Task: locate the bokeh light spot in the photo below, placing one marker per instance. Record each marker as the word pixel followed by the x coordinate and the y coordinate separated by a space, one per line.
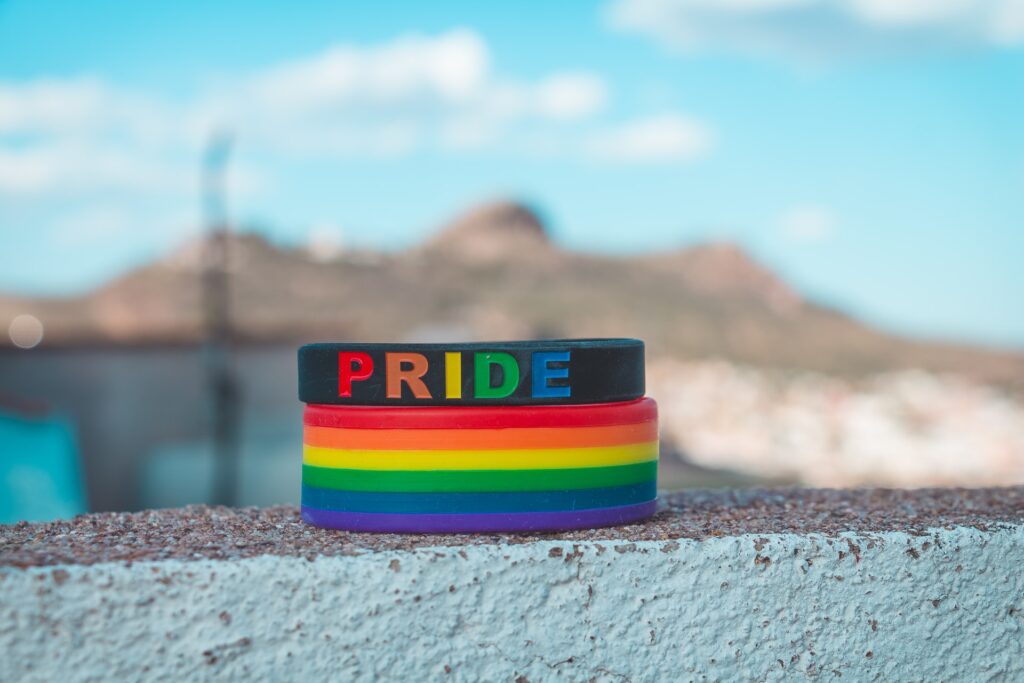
pixel 26 331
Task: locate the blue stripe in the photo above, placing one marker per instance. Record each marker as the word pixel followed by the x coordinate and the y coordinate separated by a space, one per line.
pixel 463 503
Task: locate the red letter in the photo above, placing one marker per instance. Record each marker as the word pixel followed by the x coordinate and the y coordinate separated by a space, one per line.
pixel 396 375
pixel 352 365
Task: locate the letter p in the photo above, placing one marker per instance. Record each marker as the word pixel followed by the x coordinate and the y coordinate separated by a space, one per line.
pixel 353 366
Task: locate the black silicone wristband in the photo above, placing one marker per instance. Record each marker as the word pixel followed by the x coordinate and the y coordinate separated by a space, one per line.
pixel 556 371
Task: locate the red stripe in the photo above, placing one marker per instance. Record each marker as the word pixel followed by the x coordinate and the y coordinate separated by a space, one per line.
pixel 481 417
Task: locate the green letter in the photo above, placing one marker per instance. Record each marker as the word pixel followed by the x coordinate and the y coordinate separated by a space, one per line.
pixel 482 375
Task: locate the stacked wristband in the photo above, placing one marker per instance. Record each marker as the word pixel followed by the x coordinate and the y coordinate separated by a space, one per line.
pixel 576 458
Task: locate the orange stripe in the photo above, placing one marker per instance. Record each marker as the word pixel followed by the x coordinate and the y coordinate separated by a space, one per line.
pixel 479 439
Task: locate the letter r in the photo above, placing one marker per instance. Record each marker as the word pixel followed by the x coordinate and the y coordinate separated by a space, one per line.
pixel 411 375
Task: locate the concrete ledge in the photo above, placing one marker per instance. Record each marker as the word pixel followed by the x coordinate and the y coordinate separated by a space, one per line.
pixel 755 585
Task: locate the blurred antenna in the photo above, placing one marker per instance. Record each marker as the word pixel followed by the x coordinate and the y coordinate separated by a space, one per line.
pixel 224 389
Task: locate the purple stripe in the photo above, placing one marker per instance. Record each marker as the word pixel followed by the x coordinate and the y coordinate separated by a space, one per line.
pixel 384 522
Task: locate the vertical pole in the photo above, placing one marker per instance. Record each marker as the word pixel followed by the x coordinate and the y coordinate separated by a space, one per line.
pixel 221 381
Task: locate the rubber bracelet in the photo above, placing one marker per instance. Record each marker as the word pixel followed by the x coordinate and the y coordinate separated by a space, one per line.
pixel 463 524
pixel 520 459
pixel 559 371
pixel 476 503
pixel 482 417
pixel 493 481
pixel 479 439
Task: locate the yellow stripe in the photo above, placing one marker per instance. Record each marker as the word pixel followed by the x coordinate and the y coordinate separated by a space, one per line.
pixel 534 458
pixel 453 374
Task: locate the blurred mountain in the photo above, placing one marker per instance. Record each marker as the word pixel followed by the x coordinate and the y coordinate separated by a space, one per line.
pixel 495 273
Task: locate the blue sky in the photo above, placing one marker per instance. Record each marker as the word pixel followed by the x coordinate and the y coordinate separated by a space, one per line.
pixel 871 151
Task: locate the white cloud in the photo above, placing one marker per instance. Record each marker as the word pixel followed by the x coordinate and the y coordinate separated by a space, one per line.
pixel 669 138
pixel 807 223
pixel 81 106
pixel 570 96
pixel 392 98
pixel 69 167
pixel 84 135
pixel 72 167
pixel 409 71
pixel 449 74
pixel 823 29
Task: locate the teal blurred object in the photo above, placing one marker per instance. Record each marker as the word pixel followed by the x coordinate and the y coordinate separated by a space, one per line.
pixel 40 476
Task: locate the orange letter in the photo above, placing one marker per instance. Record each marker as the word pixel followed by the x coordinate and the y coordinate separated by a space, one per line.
pixel 352 365
pixel 396 375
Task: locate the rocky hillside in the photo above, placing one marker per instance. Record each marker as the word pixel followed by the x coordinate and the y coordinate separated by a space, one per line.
pixel 495 273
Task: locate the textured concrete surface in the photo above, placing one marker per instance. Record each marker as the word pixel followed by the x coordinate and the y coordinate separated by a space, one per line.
pixel 222 533
pixel 923 586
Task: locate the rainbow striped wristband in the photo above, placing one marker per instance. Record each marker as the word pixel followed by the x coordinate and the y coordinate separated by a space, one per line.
pixel 473 469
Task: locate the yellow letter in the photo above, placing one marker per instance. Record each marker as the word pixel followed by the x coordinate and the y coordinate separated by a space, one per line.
pixel 453 374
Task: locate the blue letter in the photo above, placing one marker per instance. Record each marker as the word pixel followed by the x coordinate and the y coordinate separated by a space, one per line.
pixel 542 373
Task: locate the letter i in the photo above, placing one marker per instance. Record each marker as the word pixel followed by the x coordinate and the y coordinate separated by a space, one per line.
pixel 453 374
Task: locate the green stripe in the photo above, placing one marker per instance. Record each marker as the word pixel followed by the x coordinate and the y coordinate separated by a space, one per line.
pixel 453 481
